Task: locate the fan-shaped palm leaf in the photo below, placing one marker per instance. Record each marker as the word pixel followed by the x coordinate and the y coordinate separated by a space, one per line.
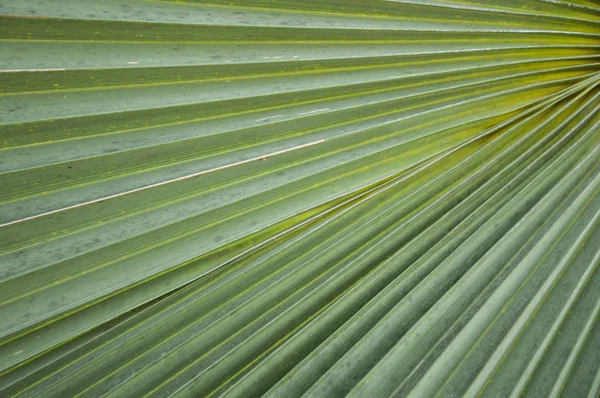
pixel 320 197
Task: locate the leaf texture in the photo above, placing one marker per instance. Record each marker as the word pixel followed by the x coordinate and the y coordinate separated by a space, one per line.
pixel 284 198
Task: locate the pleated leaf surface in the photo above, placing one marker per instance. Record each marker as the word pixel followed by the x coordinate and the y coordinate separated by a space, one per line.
pixel 281 198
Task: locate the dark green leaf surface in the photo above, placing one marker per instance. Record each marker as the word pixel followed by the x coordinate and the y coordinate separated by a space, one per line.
pixel 323 197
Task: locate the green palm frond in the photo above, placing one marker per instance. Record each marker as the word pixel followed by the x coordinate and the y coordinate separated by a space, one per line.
pixel 320 197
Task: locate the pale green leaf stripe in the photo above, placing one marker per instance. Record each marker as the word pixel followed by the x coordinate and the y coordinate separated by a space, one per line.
pixel 286 198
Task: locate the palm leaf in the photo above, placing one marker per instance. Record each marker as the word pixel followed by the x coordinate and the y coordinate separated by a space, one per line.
pixel 333 197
